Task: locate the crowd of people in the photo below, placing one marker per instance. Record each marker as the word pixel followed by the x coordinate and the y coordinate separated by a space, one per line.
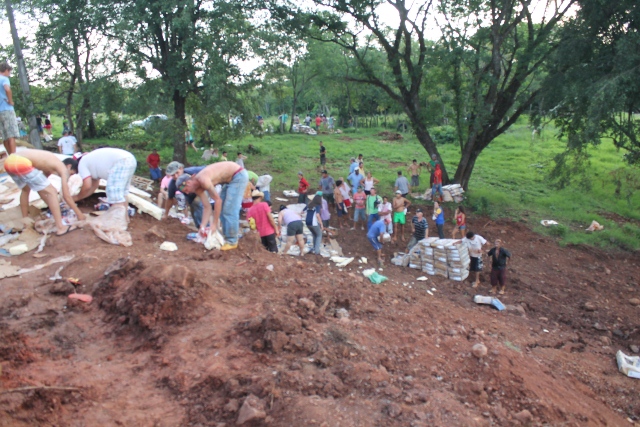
pixel 217 193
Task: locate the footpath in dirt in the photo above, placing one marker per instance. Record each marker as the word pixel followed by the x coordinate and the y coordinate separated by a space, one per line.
pixel 198 338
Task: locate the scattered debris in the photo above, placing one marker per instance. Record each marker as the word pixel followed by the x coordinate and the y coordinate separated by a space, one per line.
pixel 81 297
pixel 7 269
pixel 280 199
pixel 214 240
pixel 269 267
pixel 342 313
pixel 422 279
pixel 168 246
pixel 362 260
pixel 42 242
pixel 57 275
pixel 290 193
pixel 548 222
pixel 112 226
pixel 18 249
pixel 341 261
pixel 374 276
pixel 145 207
pixel 479 299
pixel 479 350
pixel 595 226
pixel 628 365
pixel 46 264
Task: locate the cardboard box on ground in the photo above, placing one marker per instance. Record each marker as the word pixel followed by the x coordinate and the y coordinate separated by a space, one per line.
pixel 444 257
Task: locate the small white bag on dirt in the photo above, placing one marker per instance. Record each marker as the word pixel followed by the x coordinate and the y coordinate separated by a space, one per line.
pixel 628 365
pixel 214 241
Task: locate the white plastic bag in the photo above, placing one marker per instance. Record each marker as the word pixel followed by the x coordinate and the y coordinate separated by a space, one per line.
pixel 214 240
pixel 628 365
pixel 112 226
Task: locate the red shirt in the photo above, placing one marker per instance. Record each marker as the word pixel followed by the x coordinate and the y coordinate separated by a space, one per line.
pixel 304 185
pixel 437 177
pixel 153 160
pixel 259 213
pixel 318 121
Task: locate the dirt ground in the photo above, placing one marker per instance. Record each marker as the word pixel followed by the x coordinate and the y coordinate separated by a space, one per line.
pixel 197 338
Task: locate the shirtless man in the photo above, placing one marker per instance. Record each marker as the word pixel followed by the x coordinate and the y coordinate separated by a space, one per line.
pixel 414 170
pixel 227 204
pixel 29 170
pixel 400 205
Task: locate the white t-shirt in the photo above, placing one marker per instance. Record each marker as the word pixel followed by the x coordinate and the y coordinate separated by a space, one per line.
pixel 67 144
pixel 73 138
pixel 385 207
pixel 475 245
pixel 345 189
pixel 264 182
pixel 97 163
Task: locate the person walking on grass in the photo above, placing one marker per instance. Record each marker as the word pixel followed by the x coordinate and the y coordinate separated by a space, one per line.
pixel 420 229
pixel 314 221
pixel 414 171
pixel 400 205
pixel 374 235
pixel 369 183
pixel 402 184
pixel 303 187
pixel 438 217
pixel 461 222
pixel 265 224
pixel 437 183
pixel 295 231
pixel 360 204
pixel 475 242
pixel 373 205
pixel 327 185
pixel 8 124
pixel 341 209
pixel 499 257
pixel 323 155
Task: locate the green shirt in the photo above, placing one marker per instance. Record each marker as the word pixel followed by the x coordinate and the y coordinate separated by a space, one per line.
pixel 371 207
pixel 252 175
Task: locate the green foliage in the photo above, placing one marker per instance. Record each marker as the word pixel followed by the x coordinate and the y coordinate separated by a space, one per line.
pixel 443 134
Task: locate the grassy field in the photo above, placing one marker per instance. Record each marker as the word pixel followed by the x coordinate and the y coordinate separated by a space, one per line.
pixel 511 177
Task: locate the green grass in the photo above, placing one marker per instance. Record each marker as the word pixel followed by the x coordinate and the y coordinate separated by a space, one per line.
pixel 510 179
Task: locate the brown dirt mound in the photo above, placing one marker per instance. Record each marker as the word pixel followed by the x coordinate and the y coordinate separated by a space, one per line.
pixel 150 299
pixel 14 347
pixel 390 136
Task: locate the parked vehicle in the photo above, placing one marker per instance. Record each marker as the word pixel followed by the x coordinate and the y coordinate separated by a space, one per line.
pixel 149 121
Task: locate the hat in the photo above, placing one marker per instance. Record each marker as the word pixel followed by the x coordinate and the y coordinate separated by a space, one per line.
pixel 398 192
pixel 418 210
pixel 182 179
pixel 433 156
pixel 173 167
pixel 282 207
pixel 300 173
pixel 318 193
pixel 324 171
pixel 257 193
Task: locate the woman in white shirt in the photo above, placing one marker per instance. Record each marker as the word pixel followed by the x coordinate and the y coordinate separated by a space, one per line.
pixel 369 183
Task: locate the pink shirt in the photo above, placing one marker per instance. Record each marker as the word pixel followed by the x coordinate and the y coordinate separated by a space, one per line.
pixel 360 199
pixel 259 213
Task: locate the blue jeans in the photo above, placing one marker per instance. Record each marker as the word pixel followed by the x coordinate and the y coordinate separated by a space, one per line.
pixel 231 196
pixel 374 242
pixel 317 238
pixel 372 218
pixel 267 196
pixel 197 211
pixel 438 188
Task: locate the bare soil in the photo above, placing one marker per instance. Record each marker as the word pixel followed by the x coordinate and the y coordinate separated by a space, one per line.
pixel 197 338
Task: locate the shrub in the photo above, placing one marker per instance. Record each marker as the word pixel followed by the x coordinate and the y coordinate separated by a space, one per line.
pixel 443 134
pixel 558 230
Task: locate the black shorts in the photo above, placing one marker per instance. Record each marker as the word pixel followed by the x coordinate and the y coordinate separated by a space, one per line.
pixel 475 264
pixel 270 243
pixel 340 209
pixel 323 159
pixel 294 228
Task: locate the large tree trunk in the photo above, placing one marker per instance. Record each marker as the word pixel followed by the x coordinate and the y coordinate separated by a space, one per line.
pixel 470 154
pixel 34 135
pixel 68 109
pixel 425 139
pixel 179 110
pixel 293 111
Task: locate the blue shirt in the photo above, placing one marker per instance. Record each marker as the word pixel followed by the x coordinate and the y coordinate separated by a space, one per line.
pixel 440 216
pixel 4 100
pixel 353 167
pixel 377 228
pixel 355 180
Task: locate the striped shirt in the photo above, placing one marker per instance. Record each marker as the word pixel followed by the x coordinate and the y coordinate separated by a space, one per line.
pixel 420 227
